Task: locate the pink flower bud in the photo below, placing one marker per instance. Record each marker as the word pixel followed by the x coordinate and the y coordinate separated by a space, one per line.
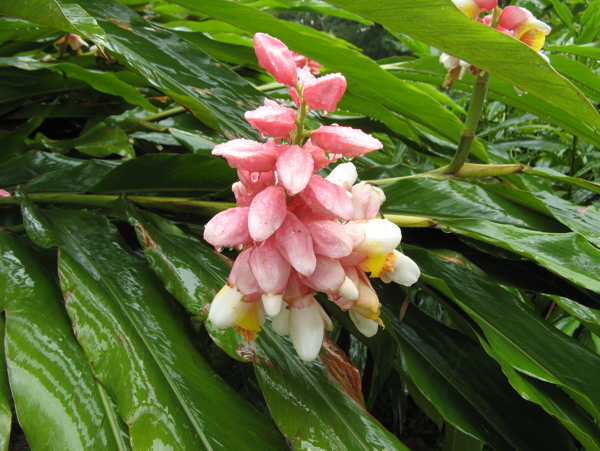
pixel 328 276
pixel 512 17
pixel 272 119
pixel 269 267
pixel 329 238
pixel 294 168
pixel 295 244
pixel 228 228
pixel 347 141
pixel 267 212
pixel 4 193
pixel 304 78
pixel 247 155
pixel 327 199
pixel 320 159
pixel 325 92
pixel 274 56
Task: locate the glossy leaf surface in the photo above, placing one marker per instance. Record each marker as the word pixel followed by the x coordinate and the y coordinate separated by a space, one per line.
pixel 191 271
pixel 449 30
pixel 56 397
pixel 167 172
pixel 520 337
pixel 317 405
pixel 5 396
pixel 134 337
pixel 451 370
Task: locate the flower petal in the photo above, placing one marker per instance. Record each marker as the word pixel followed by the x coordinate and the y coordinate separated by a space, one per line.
pixel 325 92
pixel 294 168
pixel 307 330
pixel 327 199
pixel 269 267
pixel 228 228
pixel 348 141
pixel 267 212
pixel 274 56
pixel 295 244
pixel 329 238
pixel 247 155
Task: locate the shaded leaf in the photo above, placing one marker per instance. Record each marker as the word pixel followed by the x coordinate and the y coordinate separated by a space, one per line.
pixel 168 172
pixel 314 404
pixel 55 393
pixel 468 388
pixel 132 333
pixel 106 82
pixel 451 31
pixel 5 395
pixel 516 333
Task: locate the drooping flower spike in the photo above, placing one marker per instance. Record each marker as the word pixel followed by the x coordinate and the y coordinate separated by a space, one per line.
pixel 514 21
pixel 300 233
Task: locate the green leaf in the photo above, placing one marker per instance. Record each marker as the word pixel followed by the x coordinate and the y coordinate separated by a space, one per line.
pixel 439 199
pixel 440 24
pixel 168 173
pixel 191 271
pixel 583 220
pixel 317 405
pixel 56 14
pixel 56 397
pixel 365 78
pixel 132 333
pixel 591 50
pixel 554 401
pixel 211 91
pixel 77 179
pixel 587 316
pixel 564 13
pixel 13 142
pixel 430 70
pixel 106 82
pixel 100 141
pixel 33 164
pixel 568 255
pixel 557 176
pixel 467 387
pixel 518 335
pixel 5 394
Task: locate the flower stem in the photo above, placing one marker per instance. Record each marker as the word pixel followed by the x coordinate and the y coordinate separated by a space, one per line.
pixel 470 127
pixel 474 112
pixel 298 134
pixel 166 113
pixel 181 204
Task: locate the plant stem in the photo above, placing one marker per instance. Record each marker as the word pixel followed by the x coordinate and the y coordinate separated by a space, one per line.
pixel 90 200
pixel 166 113
pixel 470 127
pixel 298 134
pixel 474 112
pixel 572 164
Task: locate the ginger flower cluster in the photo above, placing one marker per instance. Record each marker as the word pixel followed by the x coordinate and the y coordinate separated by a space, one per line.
pixel 300 233
pixel 514 21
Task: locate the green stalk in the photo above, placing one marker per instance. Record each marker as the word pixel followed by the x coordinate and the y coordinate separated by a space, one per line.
pixel 180 204
pixel 470 127
pixel 473 114
pixel 298 134
pixel 166 113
